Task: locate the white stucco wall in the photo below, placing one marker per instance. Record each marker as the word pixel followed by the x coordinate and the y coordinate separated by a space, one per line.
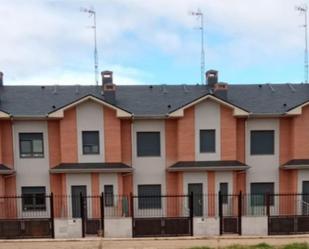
pixel 31 172
pixel 206 226
pixel 264 168
pixel 89 117
pixel 207 116
pixel 118 228
pixel 257 226
pixel 149 170
pixel 68 228
pixel 78 180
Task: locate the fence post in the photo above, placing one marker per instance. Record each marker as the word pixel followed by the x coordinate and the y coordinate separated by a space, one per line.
pixel 52 216
pixel 239 212
pixel 220 213
pixel 267 204
pixel 132 213
pixel 191 206
pixel 102 212
pixel 82 214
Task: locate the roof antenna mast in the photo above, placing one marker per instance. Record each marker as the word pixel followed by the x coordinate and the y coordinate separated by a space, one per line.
pixel 92 12
pixel 200 15
pixel 303 10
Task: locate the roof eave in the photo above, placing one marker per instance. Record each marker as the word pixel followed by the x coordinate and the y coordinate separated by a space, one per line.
pixel 91 170
pixel 208 168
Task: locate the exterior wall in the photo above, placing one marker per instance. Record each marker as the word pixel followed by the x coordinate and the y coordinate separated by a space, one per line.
pixel 112 136
pixel 109 179
pixel 89 117
pixel 126 142
pixel 31 171
pixel 68 228
pixel 257 226
pixel 207 116
pixel 54 143
pixel 68 137
pixel 118 228
pixel 149 170
pixel 206 226
pixel 6 143
pixel 264 168
pixel 228 127
pixel 186 136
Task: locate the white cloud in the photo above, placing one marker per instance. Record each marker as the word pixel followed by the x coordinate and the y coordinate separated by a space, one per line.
pixel 48 40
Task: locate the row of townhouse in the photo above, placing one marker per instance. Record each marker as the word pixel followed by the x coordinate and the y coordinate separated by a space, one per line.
pixel 153 140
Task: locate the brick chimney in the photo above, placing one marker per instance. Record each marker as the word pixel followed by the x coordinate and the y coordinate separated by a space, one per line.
pixel 211 77
pixel 1 79
pixel 109 88
pixel 219 88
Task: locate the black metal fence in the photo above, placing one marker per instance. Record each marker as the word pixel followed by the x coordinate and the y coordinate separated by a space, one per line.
pixel 32 216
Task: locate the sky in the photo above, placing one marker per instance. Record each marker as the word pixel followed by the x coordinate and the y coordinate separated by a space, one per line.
pixel 151 42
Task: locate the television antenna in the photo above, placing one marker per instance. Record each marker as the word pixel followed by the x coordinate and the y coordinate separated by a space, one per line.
pixel 92 13
pixel 303 10
pixel 200 16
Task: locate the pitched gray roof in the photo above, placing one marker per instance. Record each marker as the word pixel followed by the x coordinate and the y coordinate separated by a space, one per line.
pixel 156 100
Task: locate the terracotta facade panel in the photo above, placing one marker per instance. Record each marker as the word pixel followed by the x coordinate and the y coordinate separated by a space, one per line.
pixel 112 136
pixel 228 134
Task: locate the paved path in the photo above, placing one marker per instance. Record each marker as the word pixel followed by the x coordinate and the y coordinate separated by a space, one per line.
pixel 166 243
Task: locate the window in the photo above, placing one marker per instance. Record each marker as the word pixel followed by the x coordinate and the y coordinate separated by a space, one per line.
pixel 259 193
pixel 207 141
pixel 109 195
pixel 262 142
pixel 90 142
pixel 148 144
pixel 33 198
pixel 31 145
pixel 149 196
pixel 224 192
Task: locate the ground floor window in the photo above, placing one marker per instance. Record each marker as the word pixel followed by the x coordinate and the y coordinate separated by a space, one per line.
pixel 259 193
pixel 108 195
pixel 149 196
pixel 33 198
pixel 224 190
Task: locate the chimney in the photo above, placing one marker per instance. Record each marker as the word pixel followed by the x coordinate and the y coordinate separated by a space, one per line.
pixel 109 88
pixel 219 88
pixel 211 77
pixel 1 79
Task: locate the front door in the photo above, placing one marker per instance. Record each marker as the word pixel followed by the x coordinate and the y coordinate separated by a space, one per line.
pixel 197 190
pixel 76 202
pixel 305 198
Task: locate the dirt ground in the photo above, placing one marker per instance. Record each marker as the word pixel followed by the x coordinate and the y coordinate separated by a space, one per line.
pixel 169 243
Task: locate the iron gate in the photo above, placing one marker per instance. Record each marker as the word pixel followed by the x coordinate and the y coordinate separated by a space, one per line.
pixel 230 209
pixel 27 216
pixel 159 216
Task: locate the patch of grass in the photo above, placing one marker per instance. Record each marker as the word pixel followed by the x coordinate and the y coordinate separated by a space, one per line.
pixel 262 246
pixel 203 247
pixel 296 246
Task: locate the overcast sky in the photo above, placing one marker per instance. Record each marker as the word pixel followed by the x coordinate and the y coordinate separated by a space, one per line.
pixel 153 41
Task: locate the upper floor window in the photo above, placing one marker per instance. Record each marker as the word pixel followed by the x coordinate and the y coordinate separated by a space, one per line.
pixel 33 198
pixel 149 196
pixel 91 142
pixel 207 141
pixel 148 144
pixel 262 142
pixel 31 145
